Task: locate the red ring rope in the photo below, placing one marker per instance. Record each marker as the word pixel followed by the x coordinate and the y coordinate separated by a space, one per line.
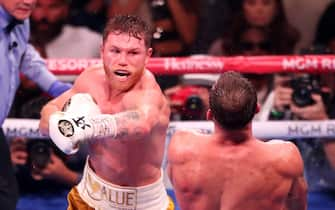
pixel 209 64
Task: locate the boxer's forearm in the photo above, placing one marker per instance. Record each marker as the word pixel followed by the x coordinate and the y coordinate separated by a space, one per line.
pixel 132 124
pixel 46 111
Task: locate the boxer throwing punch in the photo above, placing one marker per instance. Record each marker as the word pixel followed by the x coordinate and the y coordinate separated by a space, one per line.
pixel 230 169
pixel 120 111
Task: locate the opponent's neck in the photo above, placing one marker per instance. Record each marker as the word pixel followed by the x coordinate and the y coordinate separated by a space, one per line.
pixel 235 136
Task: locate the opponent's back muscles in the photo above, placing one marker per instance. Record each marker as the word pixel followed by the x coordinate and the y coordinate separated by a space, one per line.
pixel 210 175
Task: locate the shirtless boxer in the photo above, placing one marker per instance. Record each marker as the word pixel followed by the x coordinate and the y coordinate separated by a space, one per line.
pixel 120 111
pixel 231 169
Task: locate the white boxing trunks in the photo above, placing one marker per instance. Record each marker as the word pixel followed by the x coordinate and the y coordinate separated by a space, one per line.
pixel 103 195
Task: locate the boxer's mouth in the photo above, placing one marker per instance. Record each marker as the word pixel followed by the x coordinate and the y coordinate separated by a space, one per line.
pixel 122 73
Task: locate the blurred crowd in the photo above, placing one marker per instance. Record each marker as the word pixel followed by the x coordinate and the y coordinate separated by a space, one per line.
pixel 73 29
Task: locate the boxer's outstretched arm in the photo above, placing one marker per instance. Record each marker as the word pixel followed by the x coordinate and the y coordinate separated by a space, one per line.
pixel 134 124
pixel 67 129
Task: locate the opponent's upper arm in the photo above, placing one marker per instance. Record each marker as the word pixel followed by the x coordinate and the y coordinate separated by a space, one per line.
pixel 175 154
pixel 179 150
pixel 292 166
pixel 182 155
pixel 290 162
pixel 297 196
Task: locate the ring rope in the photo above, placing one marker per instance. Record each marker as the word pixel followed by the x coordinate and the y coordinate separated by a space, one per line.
pixel 211 64
pixel 264 130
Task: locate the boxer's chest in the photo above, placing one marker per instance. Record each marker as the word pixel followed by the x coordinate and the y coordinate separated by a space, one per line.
pixel 120 103
pixel 111 107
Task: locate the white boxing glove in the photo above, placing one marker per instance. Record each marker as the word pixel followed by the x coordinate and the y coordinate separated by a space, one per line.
pixel 73 125
pixel 81 104
pixel 80 120
pixel 62 131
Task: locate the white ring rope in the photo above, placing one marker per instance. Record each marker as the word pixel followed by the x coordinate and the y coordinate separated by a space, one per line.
pixel 264 130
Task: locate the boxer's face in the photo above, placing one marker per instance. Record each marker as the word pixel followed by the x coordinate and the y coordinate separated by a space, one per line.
pixel 20 9
pixel 124 59
pixel 259 12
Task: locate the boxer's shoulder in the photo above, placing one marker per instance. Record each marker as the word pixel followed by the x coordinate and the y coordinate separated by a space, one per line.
pixel 92 71
pixel 286 157
pixel 90 76
pixel 281 145
pixel 148 80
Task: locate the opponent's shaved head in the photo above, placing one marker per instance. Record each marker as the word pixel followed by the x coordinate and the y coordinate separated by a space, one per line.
pixel 233 101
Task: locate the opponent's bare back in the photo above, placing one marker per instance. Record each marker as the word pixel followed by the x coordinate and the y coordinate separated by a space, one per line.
pixel 214 173
pixel 230 169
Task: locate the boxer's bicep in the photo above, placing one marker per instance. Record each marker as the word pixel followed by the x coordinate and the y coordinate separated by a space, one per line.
pixel 149 104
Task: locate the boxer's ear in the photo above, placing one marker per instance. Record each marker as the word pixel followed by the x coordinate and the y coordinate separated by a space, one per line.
pixel 209 114
pixel 258 108
pixel 149 53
